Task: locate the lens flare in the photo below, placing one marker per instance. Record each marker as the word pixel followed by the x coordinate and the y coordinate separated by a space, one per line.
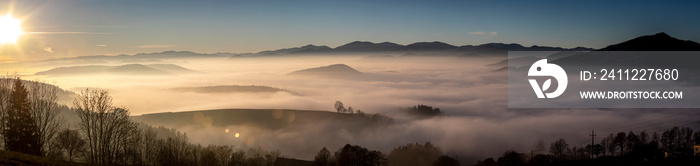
pixel 10 29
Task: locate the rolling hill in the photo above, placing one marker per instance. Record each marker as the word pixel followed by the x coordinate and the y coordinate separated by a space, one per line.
pixel 336 70
pixel 657 42
pixel 233 89
pixel 263 118
pixel 129 69
pixel 16 158
pixel 634 47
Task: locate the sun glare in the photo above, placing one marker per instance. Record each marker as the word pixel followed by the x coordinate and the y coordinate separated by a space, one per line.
pixel 10 29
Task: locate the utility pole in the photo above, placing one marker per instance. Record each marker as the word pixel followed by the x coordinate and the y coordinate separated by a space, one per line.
pixel 592 141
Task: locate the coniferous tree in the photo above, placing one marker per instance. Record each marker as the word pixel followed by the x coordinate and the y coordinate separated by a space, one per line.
pixel 21 132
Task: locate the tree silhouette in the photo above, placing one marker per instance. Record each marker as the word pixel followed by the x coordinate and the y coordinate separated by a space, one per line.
pixel 20 130
pixel 322 157
pixel 44 107
pixel 632 141
pixel 353 155
pixel 339 107
pixel 559 148
pixel 511 157
pixel 424 110
pixel 70 141
pixel 619 141
pixel 107 128
pixel 414 154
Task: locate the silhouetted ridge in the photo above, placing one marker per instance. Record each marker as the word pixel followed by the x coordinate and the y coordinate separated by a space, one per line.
pixel 436 45
pixel 363 46
pixel 304 49
pixel 658 42
pixel 331 70
pixel 129 69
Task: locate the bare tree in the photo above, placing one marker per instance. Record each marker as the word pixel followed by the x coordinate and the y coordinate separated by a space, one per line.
pixel 45 111
pixel 6 86
pixel 322 157
pixel 105 126
pixel 559 148
pixel 149 148
pixel 71 142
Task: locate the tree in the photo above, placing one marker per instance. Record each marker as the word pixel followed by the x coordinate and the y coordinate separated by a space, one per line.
pixel 70 141
pixel 632 142
pixel 597 150
pixel 511 157
pixel 678 141
pixel 352 155
pixel 696 137
pixel 21 133
pixel 619 141
pixel 350 110
pixel 559 148
pixel 6 83
pixel 45 111
pixel 339 107
pixel 606 145
pixel 106 127
pixel 322 157
pixel 237 158
pixel 43 108
pixel 414 154
pixel 424 110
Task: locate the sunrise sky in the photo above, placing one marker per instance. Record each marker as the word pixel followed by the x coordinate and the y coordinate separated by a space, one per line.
pixel 67 28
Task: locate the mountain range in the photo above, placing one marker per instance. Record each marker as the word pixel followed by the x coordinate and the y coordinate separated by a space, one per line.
pixel 435 46
pixel 129 69
pixel 657 42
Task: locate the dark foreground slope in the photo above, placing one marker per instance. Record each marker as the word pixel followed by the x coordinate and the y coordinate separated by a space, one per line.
pixel 16 158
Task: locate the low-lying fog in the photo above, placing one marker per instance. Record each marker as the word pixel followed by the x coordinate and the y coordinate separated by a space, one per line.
pixel 473 96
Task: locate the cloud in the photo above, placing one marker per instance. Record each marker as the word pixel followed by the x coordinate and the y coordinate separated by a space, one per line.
pixel 67 33
pixel 48 49
pixel 482 33
pixel 156 46
pixel 102 45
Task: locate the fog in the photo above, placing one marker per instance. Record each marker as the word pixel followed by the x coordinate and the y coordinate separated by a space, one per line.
pixel 473 96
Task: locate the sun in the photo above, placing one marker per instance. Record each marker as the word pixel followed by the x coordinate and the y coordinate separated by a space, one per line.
pixel 10 29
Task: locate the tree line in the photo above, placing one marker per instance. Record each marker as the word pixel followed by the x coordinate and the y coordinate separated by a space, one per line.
pixel 673 145
pixel 411 154
pixel 105 135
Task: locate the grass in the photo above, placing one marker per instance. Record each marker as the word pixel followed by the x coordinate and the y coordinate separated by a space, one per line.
pixel 16 158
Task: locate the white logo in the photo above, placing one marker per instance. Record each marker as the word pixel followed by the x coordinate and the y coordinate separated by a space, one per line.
pixel 542 68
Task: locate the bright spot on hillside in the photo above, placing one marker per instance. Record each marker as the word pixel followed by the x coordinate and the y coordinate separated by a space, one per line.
pixel 10 29
pixel 237 135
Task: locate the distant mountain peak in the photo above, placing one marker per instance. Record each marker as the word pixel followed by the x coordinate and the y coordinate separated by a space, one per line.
pixel 365 46
pixel 435 45
pixel 657 42
pixel 330 70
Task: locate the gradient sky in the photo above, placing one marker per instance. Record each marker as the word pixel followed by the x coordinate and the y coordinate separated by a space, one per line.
pixel 69 28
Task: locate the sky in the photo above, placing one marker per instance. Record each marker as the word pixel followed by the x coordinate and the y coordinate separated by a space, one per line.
pixel 67 28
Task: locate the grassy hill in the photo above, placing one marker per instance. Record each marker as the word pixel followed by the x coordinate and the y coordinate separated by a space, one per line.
pixel 263 118
pixel 16 158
